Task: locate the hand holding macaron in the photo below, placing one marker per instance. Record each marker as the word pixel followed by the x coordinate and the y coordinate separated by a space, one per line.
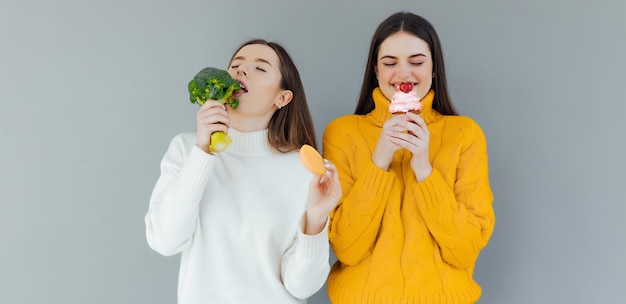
pixel 324 189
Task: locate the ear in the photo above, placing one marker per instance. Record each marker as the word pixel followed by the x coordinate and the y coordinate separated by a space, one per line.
pixel 376 71
pixel 284 98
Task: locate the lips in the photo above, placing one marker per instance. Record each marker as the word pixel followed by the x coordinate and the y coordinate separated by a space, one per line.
pixel 244 86
pixel 242 91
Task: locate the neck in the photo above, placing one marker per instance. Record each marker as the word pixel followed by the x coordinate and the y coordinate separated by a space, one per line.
pixel 247 123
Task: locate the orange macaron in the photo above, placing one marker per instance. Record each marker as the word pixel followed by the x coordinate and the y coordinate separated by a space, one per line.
pixel 312 160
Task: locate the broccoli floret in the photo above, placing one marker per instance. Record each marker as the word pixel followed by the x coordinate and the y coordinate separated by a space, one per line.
pixel 216 84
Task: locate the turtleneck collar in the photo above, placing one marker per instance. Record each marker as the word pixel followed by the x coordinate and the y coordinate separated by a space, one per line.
pixel 380 114
pixel 253 143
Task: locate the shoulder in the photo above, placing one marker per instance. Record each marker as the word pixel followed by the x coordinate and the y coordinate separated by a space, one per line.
pixel 345 120
pixel 464 129
pixel 182 143
pixel 181 140
pixel 463 123
pixel 185 138
pixel 344 135
pixel 343 125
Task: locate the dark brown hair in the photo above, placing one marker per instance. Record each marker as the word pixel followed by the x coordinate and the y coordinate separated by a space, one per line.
pixel 420 27
pixel 292 126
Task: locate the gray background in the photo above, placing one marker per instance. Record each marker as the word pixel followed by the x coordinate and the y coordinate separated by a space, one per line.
pixel 92 92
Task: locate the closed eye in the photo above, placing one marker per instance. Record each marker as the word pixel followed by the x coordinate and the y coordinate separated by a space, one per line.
pixel 261 69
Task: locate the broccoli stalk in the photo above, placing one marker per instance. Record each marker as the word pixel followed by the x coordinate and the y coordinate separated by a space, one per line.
pixel 216 84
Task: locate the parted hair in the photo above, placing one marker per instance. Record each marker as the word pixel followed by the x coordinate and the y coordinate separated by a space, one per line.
pixel 421 28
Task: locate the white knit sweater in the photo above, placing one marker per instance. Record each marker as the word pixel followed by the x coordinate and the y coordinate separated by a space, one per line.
pixel 236 218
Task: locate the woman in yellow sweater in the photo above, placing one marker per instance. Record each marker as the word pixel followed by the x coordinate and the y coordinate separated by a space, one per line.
pixel 417 206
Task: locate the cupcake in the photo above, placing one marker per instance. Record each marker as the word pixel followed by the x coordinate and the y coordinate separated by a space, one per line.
pixel 405 100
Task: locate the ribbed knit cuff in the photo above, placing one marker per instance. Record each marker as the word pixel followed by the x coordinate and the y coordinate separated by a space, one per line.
pixel 194 172
pixel 432 191
pixel 312 246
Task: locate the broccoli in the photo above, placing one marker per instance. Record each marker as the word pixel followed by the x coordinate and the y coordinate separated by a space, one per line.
pixel 216 84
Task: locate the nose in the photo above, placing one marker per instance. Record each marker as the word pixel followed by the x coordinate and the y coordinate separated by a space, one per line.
pixel 241 71
pixel 404 70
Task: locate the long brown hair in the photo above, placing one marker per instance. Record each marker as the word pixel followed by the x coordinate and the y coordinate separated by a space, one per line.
pixel 292 126
pixel 420 27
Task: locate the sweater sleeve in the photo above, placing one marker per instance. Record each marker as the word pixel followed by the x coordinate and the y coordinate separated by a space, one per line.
pixel 461 219
pixel 174 205
pixel 356 219
pixel 305 265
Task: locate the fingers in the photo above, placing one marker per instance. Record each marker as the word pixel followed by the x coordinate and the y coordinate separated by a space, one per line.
pixel 396 124
pixel 324 192
pixel 409 123
pixel 409 131
pixel 213 112
pixel 211 117
pixel 331 172
pixel 212 106
pixel 328 181
pixel 385 146
pixel 416 118
pixel 212 103
pixel 402 124
pixel 331 181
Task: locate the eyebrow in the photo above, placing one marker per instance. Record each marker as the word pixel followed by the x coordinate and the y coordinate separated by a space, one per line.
pixel 256 60
pixel 412 56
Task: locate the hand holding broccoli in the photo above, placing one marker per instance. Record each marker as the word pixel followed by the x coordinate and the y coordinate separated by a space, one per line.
pixel 213 122
pixel 215 84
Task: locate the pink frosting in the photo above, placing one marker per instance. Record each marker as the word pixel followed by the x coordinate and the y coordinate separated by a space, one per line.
pixel 404 102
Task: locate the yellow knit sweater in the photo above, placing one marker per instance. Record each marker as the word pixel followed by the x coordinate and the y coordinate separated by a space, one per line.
pixel 400 241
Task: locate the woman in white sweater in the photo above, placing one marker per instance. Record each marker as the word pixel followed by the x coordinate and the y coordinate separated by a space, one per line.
pixel 250 221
